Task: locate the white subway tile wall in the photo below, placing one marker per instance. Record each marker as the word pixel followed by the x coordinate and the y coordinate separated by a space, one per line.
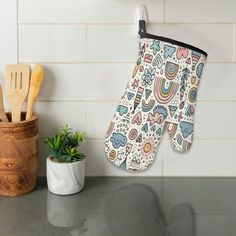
pixel 192 11
pixel 52 43
pixel 85 81
pixel 98 128
pixel 216 39
pixel 88 49
pixel 8 34
pixel 87 11
pixel 205 158
pixel 54 114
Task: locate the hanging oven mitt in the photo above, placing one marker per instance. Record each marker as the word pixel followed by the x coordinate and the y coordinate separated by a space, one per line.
pixel 161 93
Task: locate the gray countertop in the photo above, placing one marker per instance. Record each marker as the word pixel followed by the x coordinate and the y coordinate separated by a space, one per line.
pixel 125 206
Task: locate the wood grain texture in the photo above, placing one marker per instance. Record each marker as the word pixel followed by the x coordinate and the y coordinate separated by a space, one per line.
pixel 19 154
pixel 17 78
pixel 35 85
pixel 3 116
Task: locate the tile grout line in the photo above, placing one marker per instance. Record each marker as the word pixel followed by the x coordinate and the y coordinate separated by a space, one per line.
pixel 167 141
pixel 78 101
pixel 79 62
pixel 197 176
pixel 86 120
pixel 86 43
pixel 234 59
pixel 17 31
pixel 164 11
pixel 104 62
pixel 125 23
pixel 117 100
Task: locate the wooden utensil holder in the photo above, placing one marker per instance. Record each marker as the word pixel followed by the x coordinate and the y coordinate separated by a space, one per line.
pixel 19 154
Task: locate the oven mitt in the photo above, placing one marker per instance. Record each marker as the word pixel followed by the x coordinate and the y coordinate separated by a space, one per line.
pixel 161 93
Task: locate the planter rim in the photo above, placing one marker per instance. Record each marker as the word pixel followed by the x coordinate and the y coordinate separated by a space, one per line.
pixel 33 118
pixel 63 163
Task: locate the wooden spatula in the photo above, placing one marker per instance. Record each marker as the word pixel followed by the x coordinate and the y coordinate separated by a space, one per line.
pixel 35 85
pixel 2 111
pixel 17 87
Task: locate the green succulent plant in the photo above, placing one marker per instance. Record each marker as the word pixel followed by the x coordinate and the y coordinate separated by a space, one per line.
pixel 63 146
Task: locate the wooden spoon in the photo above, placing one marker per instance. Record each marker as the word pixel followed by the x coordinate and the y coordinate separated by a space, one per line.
pixel 35 85
pixel 17 87
pixel 2 111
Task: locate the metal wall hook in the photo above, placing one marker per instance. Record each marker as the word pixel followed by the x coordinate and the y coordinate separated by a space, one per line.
pixel 141 14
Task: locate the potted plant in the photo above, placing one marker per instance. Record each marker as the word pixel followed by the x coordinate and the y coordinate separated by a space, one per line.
pixel 65 165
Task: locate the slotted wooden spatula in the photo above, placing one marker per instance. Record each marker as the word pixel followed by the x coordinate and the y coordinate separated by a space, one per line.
pixel 17 86
pixel 35 85
pixel 2 111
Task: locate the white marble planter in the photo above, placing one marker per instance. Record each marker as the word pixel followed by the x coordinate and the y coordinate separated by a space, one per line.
pixel 65 178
